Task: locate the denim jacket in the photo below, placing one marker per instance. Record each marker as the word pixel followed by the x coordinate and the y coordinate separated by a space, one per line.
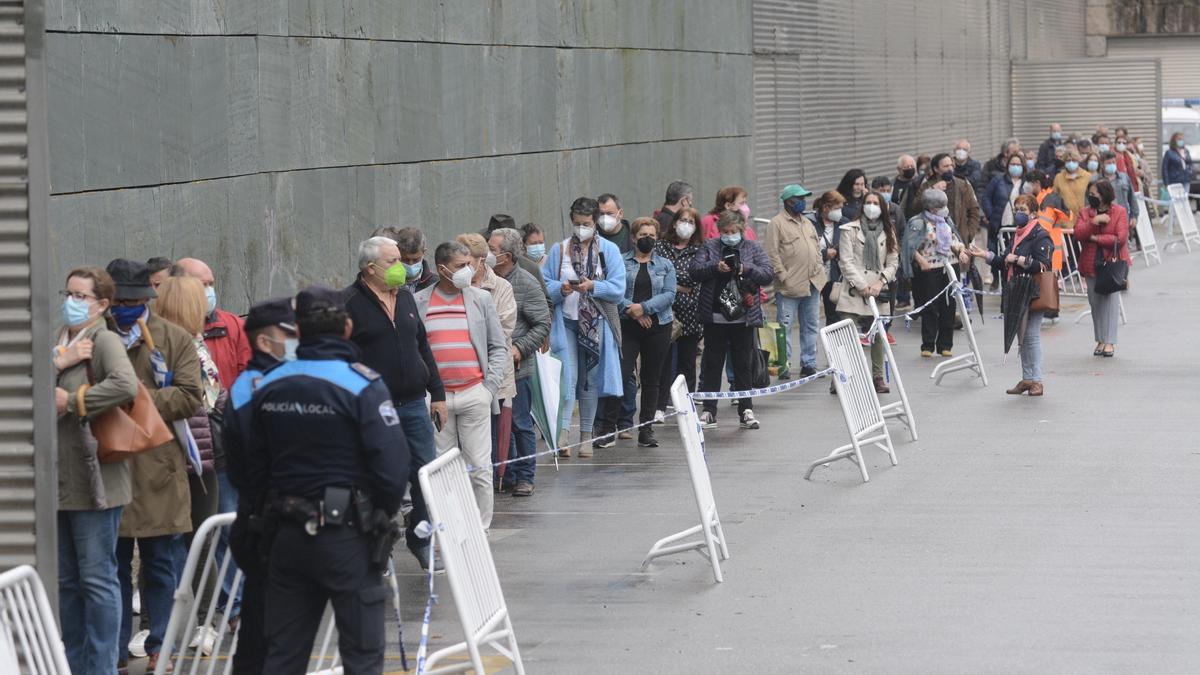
pixel 662 285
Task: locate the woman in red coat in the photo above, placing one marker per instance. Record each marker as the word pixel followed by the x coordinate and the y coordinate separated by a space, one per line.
pixel 1102 226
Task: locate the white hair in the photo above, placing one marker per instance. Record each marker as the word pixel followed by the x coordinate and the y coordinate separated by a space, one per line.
pixel 370 250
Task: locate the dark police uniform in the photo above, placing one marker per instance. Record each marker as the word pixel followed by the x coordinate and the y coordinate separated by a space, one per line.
pixel 244 543
pixel 323 421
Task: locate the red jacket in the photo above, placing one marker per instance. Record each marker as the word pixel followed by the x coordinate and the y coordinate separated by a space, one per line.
pixel 225 337
pixel 1115 231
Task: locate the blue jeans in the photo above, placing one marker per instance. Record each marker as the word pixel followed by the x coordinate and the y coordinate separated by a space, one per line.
pixel 227 501
pixel 422 449
pixel 159 557
pixel 1031 348
pixel 808 311
pixel 587 390
pixel 89 596
pixel 628 403
pixel 524 439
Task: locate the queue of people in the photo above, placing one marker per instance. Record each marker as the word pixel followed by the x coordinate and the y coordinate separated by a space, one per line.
pixel 443 343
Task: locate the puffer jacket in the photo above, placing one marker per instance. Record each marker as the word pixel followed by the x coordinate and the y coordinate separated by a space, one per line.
pixel 202 432
pixel 756 272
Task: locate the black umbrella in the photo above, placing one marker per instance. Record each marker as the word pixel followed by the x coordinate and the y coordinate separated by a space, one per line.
pixel 1018 293
pixel 976 282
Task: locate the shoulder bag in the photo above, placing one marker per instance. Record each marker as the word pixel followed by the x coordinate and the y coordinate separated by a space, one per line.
pixel 1111 275
pixel 127 430
pixel 1047 299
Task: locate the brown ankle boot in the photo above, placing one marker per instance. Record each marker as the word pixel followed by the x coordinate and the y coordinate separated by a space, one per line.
pixel 881 386
pixel 1036 389
pixel 585 444
pixel 1022 387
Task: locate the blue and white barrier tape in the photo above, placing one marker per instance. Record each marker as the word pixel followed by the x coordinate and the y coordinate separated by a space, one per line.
pixel 425 531
pixel 765 391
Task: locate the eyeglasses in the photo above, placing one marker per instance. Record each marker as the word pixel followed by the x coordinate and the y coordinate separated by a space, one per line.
pixel 81 297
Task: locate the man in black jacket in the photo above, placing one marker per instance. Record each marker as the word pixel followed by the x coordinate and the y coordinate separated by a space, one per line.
pixel 391 336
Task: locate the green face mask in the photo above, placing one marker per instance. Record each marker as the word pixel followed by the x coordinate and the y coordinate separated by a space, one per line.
pixel 395 275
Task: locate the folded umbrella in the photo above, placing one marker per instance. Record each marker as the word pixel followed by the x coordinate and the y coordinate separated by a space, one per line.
pixel 1018 293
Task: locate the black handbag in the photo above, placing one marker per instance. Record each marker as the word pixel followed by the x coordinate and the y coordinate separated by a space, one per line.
pixel 760 375
pixel 729 301
pixel 1111 275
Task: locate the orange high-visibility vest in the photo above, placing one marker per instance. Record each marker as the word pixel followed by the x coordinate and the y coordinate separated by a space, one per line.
pixel 1049 218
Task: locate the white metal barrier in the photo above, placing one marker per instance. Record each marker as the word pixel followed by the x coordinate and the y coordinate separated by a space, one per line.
pixel 211 654
pixel 1145 233
pixel 470 569
pixel 712 545
pixel 1181 213
pixel 973 359
pixel 902 409
pixel 29 639
pixel 860 403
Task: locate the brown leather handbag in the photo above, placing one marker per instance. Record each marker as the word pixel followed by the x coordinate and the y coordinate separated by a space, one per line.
pixel 1047 299
pixel 126 430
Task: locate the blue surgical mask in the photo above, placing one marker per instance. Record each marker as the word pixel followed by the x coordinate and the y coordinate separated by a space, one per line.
pixel 1102 148
pixel 289 348
pixel 1015 170
pixel 535 251
pixel 127 316
pixel 1092 165
pixel 1110 168
pixel 75 312
pixel 1029 164
pixel 796 206
pixel 210 296
pixel 731 239
pixel 1072 166
pixel 413 272
pixel 1180 143
pixel 1056 135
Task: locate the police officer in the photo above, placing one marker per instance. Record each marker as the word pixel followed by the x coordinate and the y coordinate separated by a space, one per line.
pixel 271 329
pixel 328 458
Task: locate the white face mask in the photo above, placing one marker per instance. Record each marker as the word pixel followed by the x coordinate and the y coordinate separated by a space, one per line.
pixel 872 211
pixel 961 155
pixel 490 260
pixel 584 232
pixel 462 278
pixel 944 212
pixel 608 223
pixel 685 230
pixel 834 215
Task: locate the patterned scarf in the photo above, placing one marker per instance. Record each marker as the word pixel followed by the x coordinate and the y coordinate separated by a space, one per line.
pixel 941 231
pixel 588 330
pixel 872 231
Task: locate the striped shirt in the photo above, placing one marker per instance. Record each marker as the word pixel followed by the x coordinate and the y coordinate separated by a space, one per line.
pixel 450 340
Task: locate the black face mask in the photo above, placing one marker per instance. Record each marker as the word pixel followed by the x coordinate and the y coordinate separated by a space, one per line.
pixel 1093 201
pixel 908 174
pixel 645 244
pixel 948 176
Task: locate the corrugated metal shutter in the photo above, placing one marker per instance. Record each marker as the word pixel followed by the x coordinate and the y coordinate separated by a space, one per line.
pixel 1067 92
pixel 874 79
pixel 1180 55
pixel 17 476
pixel 1057 29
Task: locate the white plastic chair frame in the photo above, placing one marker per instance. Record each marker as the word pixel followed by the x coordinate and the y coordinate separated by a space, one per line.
pixel 183 622
pixel 973 359
pixel 470 569
pixel 712 545
pixel 29 639
pixel 860 403
pixel 900 410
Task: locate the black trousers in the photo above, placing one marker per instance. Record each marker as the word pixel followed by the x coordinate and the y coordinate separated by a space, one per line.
pixel 252 642
pixel 307 572
pixel 831 313
pixel 937 320
pixel 720 339
pixel 686 349
pixel 652 344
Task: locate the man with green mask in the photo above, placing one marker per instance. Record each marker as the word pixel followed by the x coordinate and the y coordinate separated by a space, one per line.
pixel 389 332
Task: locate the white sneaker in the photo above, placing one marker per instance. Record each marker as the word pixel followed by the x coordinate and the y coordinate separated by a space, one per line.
pixel 137 646
pixel 708 420
pixel 660 416
pixel 748 420
pixel 205 638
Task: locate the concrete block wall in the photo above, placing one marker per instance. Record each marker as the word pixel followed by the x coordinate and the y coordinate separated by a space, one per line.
pixel 268 137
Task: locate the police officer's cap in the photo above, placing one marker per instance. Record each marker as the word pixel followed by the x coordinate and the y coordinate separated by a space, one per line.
pixel 319 302
pixel 273 312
